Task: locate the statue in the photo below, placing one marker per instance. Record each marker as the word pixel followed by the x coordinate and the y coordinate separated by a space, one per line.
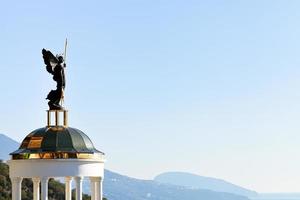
pixel 55 65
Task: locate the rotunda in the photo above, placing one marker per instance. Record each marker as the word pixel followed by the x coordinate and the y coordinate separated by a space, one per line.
pixel 56 150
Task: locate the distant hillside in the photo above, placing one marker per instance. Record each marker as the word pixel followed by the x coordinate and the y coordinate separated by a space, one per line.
pixel 199 182
pixel 118 187
pixel 7 145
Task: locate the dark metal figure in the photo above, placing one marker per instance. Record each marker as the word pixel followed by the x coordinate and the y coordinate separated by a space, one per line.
pixel 55 65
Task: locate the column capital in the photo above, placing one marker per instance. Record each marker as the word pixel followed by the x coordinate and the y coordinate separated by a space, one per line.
pixel 96 179
pixel 36 180
pixel 68 178
pixel 44 179
pixel 78 178
pixel 16 179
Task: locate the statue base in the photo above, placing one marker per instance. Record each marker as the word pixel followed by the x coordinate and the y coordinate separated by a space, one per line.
pixel 57 118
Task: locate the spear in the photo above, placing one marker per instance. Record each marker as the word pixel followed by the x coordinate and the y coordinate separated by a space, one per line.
pixel 65 52
pixel 65 57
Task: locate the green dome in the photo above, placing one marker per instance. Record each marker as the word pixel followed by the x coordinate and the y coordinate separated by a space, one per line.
pixel 56 142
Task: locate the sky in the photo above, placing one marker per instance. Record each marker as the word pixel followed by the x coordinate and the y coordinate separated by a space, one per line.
pixel 207 87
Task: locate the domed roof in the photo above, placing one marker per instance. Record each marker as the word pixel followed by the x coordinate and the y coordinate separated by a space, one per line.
pixel 56 142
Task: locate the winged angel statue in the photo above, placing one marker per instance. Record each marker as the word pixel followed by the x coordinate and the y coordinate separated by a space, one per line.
pixel 55 65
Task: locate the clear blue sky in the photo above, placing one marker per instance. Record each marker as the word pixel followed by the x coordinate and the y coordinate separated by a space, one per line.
pixel 209 87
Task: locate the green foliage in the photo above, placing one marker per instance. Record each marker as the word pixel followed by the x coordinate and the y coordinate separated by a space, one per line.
pixel 56 190
pixel 5 184
pixel 27 189
pixel 84 196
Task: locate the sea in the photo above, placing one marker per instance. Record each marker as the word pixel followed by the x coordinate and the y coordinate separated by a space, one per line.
pixel 278 199
pixel 277 196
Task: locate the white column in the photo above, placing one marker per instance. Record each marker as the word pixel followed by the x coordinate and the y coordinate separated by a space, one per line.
pixel 44 186
pixel 93 188
pixel 36 188
pixel 68 191
pixel 78 180
pixel 16 188
pixel 99 194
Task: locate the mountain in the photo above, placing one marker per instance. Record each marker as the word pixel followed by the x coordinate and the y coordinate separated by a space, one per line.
pixel 193 181
pixel 7 145
pixel 118 187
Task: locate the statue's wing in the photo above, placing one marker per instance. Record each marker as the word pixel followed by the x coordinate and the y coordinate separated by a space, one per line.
pixel 50 60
